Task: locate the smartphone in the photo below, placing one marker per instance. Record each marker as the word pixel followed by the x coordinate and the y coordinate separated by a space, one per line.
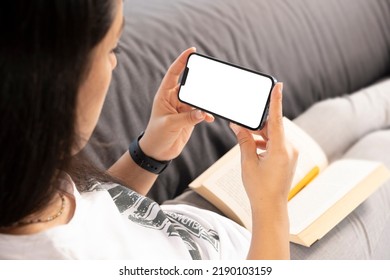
pixel 225 90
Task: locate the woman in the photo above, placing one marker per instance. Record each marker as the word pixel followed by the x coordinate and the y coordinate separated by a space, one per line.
pixel 56 59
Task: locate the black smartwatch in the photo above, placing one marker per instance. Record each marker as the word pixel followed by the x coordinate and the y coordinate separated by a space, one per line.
pixel 147 163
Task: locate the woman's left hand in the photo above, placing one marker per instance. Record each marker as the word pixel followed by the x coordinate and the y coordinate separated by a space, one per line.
pixel 171 122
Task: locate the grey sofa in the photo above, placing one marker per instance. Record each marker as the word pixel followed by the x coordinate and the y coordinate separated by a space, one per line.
pixel 319 49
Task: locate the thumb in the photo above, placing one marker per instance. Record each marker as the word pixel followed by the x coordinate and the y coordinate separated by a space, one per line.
pixel 247 143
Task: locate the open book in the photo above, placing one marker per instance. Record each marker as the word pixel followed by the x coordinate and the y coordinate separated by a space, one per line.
pixel 321 195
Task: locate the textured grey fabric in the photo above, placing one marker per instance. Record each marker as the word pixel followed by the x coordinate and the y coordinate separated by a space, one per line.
pixel 338 123
pixel 319 49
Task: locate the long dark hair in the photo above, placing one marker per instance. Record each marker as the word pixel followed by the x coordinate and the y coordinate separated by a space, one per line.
pixel 45 49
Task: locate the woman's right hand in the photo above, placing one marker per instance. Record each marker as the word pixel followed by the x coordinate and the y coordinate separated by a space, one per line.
pixel 267 178
pixel 268 175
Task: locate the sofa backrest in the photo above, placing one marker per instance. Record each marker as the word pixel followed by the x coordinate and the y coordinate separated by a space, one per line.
pixel 317 48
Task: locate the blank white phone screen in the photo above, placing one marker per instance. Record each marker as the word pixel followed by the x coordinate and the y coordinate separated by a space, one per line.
pixel 230 92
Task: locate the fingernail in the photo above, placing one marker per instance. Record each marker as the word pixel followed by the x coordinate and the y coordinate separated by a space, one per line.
pixel 281 87
pixel 199 114
pixel 210 116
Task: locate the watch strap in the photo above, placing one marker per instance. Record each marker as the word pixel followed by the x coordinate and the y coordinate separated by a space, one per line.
pixel 150 164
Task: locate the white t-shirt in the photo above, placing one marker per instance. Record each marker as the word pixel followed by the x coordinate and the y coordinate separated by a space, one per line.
pixel 113 222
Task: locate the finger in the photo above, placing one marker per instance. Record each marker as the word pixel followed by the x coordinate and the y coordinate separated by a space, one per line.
pixel 209 118
pixel 173 74
pixel 263 132
pixel 275 130
pixel 173 97
pixel 182 107
pixel 190 118
pixel 261 144
pixel 247 143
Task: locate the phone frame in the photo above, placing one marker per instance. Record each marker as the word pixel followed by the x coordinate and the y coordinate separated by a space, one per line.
pixel 266 108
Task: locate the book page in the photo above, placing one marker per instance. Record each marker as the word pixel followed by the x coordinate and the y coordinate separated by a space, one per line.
pixel 222 185
pixel 325 190
pixel 226 184
pixel 310 153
